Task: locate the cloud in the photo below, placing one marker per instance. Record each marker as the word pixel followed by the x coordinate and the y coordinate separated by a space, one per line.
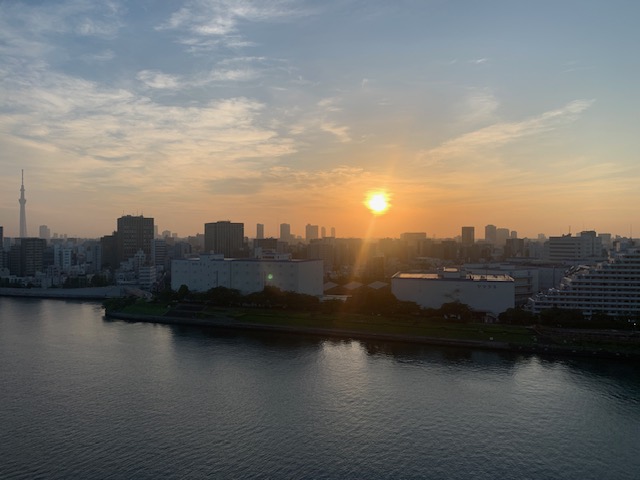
pixel 205 25
pixel 110 124
pixel 103 56
pixel 155 79
pixel 479 105
pixel 340 131
pixel 282 178
pixel 84 18
pixel 163 81
pixel 500 134
pixel 323 119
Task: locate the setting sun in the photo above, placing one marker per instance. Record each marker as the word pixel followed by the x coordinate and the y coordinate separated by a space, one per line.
pixel 377 202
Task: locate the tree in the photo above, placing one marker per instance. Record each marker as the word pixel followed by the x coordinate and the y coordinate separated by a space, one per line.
pixel 182 293
pixel 456 311
pixel 224 297
pixel 562 317
pixel 517 316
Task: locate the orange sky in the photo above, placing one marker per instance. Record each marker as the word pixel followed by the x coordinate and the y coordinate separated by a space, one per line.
pixel 290 112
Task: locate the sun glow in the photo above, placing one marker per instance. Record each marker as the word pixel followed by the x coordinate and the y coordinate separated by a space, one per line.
pixel 377 202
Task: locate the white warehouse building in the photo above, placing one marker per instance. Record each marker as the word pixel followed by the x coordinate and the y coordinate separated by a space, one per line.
pixel 248 275
pixel 483 293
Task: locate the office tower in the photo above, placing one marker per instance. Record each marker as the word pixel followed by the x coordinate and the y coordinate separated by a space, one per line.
pixel 285 232
pixel 571 249
pixel 23 213
pixel 514 247
pixel 513 234
pixel 490 234
pixel 93 256
pixel 501 236
pixel 311 232
pixel 323 232
pixel 468 236
pixel 26 257
pixel 44 232
pixel 333 232
pixel 134 234
pixel 160 253
pixel 224 237
pixel 260 230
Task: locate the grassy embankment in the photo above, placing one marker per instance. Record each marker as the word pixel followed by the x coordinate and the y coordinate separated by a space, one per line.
pixel 402 325
pixel 551 339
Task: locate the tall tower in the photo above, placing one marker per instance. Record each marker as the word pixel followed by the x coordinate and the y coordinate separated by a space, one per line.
pixel 23 214
pixel 468 236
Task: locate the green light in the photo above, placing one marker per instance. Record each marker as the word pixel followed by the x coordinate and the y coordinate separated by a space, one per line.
pixel 270 276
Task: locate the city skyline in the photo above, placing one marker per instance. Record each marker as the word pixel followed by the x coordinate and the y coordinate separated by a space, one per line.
pixel 463 114
pixel 466 234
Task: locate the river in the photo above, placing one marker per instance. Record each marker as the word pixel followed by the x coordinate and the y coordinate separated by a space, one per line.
pixel 86 397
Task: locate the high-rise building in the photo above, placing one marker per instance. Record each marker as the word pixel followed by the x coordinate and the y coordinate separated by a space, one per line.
pixel 611 288
pixel 501 236
pixel 160 253
pixel 259 230
pixel 23 214
pixel 468 236
pixel 44 232
pixel 285 232
pixel 323 232
pixel 134 233
pixel 1 246
pixel 224 237
pixel 26 256
pixel 333 232
pixel 311 232
pixel 573 249
pixel 490 234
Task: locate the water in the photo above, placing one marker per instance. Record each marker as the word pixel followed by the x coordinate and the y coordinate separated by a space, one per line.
pixel 84 397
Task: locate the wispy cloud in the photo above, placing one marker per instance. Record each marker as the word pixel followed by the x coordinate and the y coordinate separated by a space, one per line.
pixel 500 134
pixel 480 105
pixel 208 24
pixel 284 178
pixel 89 120
pixel 323 118
pixel 83 18
pixel 340 131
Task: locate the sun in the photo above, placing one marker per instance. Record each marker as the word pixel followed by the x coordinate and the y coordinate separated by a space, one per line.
pixel 377 202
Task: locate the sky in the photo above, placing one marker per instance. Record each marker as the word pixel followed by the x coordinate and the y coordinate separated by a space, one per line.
pixel 514 113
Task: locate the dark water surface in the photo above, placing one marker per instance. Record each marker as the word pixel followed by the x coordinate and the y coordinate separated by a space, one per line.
pixel 84 397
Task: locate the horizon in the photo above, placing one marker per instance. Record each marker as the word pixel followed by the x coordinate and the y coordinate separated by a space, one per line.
pixel 463 114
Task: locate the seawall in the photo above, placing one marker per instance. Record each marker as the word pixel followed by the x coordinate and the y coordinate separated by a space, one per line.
pixel 229 323
pixel 92 293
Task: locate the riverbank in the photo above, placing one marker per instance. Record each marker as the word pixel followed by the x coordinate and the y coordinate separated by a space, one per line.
pixel 228 322
pixel 91 293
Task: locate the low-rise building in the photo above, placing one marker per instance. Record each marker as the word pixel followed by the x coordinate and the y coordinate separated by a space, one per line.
pixel 483 293
pixel 524 276
pixel 248 275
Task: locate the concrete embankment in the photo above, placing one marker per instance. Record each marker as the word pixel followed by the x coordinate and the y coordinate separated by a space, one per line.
pixel 92 293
